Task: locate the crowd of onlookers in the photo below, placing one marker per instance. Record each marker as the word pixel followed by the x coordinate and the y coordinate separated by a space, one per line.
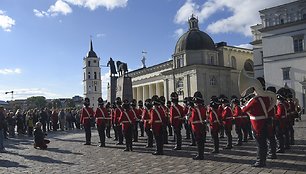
pixel 22 122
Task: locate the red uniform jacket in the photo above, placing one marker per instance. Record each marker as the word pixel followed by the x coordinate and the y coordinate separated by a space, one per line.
pixel 117 113
pixel 214 120
pixel 101 116
pixel 167 113
pixel 146 118
pixel 240 118
pixel 127 119
pixel 220 110
pixel 158 119
pixel 291 112
pixel 136 114
pixel 176 115
pixel 86 114
pixel 227 117
pixel 256 112
pixel 281 115
pixel 197 119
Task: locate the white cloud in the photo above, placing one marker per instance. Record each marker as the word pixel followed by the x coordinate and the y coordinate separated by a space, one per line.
pixel 6 22
pixel 178 33
pixel 100 35
pixel 63 6
pixel 27 92
pixel 7 71
pixel 40 13
pixel 93 4
pixel 60 7
pixel 247 46
pixel 242 16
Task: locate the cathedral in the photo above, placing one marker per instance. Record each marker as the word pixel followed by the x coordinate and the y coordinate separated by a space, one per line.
pixel 198 64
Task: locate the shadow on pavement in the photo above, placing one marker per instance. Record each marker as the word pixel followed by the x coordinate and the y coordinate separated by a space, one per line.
pixel 6 163
pixel 57 150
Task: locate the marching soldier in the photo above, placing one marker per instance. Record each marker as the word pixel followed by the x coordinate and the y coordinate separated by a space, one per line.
pixel 220 110
pixel 137 117
pixel 165 109
pixel 117 113
pixel 271 128
pixel 198 124
pixel 176 117
pixel 186 125
pixel 281 122
pixel 227 118
pixel 215 123
pixel 112 113
pixel 257 108
pixel 101 116
pixel 86 114
pixel 292 114
pixel 158 120
pixel 146 120
pixel 140 110
pixel 109 120
pixel 127 120
pixel 239 121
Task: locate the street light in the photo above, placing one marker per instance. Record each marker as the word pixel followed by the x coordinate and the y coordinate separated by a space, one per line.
pixel 12 92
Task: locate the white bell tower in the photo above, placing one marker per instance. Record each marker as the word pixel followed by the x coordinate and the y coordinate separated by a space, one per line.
pixel 92 77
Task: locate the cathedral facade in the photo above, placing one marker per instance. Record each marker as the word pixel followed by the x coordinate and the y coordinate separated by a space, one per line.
pixel 198 64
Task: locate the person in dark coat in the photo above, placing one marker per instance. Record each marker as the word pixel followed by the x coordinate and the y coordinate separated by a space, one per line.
pixel 39 137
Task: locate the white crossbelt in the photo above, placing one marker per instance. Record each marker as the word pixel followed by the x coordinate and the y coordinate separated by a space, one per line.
pixel 258 117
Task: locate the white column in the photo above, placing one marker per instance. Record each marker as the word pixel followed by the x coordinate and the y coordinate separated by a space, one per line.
pixel 135 93
pixel 140 93
pixel 145 92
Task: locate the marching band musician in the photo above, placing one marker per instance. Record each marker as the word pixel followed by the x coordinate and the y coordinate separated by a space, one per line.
pixel 86 114
pixel 146 120
pixel 227 118
pixel 127 120
pixel 176 117
pixel 257 108
pixel 198 123
pixel 281 122
pixel 102 117
pixel 157 121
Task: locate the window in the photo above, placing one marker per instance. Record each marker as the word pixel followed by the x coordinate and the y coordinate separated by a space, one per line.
pixel 248 65
pixel 95 87
pixel 298 44
pixel 212 81
pixel 95 75
pixel 281 21
pixel 286 73
pixel 95 61
pixel 89 63
pixel 233 62
pixel 180 61
pixel 88 75
pixel 212 60
pixel 179 86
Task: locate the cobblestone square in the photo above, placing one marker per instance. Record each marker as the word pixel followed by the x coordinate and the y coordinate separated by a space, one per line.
pixel 67 154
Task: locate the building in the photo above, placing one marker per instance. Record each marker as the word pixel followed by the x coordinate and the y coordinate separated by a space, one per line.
pixel 198 64
pixel 92 77
pixel 279 47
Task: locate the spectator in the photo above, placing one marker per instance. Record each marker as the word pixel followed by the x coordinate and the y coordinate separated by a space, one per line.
pixel 11 121
pixel 43 119
pixel 54 118
pixel 39 137
pixel 62 119
pixel 2 120
pixel 30 123
pixel 20 122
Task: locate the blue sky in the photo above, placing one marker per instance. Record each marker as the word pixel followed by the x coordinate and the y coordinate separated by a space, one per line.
pixel 43 42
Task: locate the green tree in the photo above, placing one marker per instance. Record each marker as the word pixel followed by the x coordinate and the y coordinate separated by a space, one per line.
pixel 37 101
pixel 56 103
pixel 70 103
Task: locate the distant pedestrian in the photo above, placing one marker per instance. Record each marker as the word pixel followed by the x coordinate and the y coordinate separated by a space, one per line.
pixel 62 119
pixel 29 123
pixel 2 117
pixel 11 122
pixel 20 122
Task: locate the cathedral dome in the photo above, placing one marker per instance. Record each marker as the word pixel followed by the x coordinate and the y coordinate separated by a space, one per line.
pixel 194 39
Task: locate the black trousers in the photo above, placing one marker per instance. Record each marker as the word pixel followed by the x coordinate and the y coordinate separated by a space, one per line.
pixel 271 138
pixel 178 134
pixel 215 138
pixel 188 130
pixel 291 133
pixel 261 141
pixel 200 141
pixel 158 136
pixel 128 134
pixel 165 134
pixel 120 135
pixel 170 129
pixel 141 128
pixel 115 131
pixel 280 135
pixel 87 133
pixel 101 131
pixel 135 132
pixel 108 128
pixel 150 137
pixel 238 130
pixel 229 136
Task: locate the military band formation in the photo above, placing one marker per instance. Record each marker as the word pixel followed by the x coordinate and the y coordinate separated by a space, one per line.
pixel 266 115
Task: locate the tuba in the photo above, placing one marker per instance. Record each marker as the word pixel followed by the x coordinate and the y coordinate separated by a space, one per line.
pixel 245 83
